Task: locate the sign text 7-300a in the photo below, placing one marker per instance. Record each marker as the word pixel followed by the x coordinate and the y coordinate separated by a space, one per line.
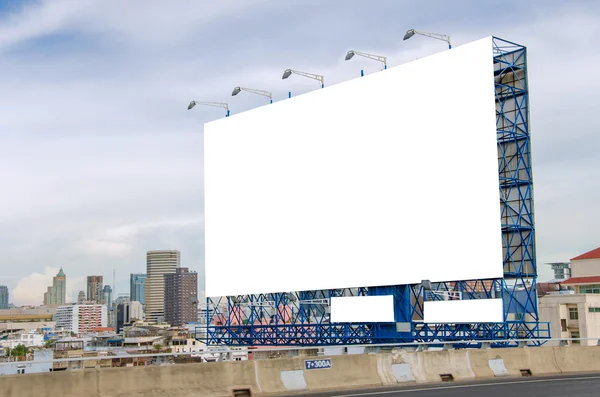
pixel 317 364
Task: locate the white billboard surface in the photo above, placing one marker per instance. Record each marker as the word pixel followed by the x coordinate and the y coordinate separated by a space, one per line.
pixel 386 179
pixel 464 311
pixel 362 309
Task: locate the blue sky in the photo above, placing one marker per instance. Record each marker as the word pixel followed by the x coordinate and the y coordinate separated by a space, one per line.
pixel 100 160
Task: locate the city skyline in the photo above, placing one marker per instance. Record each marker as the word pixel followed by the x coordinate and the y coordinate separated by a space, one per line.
pixel 99 190
pixel 94 284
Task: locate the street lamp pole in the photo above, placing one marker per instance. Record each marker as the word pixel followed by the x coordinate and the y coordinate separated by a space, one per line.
pixel 288 72
pixel 379 58
pixel 438 36
pixel 215 104
pixel 237 90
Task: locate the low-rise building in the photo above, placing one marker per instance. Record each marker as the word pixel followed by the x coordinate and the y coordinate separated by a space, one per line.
pixel 68 348
pixel 27 318
pixel 28 339
pixel 42 362
pixel 181 340
pixel 572 316
pixel 572 306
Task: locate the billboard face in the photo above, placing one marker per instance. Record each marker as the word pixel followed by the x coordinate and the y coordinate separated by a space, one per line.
pixel 387 179
pixel 467 311
pixel 362 309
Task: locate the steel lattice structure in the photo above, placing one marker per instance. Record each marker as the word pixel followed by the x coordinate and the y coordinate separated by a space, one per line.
pixel 302 318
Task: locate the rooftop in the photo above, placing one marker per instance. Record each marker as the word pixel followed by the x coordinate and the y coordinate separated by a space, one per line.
pixel 583 280
pixel 593 254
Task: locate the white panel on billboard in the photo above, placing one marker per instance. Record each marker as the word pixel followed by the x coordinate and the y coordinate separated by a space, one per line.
pixel 464 311
pixel 386 179
pixel 362 309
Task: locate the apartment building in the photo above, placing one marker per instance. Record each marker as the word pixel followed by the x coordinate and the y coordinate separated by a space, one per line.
pixel 81 319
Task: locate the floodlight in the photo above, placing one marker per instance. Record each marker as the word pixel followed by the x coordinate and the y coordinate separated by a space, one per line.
pixel 237 90
pixel 438 36
pixel 288 72
pixel 216 104
pixel 409 33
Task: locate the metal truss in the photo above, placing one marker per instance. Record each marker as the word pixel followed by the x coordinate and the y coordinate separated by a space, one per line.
pixel 302 318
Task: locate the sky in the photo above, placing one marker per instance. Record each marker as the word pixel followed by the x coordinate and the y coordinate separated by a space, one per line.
pixel 100 161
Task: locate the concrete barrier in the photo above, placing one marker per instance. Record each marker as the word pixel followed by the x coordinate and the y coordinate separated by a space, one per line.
pixel 269 374
pixel 480 363
pixel 514 362
pixel 437 366
pixel 577 358
pixel 285 375
pixel 185 380
pixel 346 372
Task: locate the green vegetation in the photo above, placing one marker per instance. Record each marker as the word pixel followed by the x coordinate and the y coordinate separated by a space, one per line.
pixel 19 351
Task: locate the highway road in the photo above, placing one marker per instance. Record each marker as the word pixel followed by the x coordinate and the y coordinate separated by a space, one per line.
pixel 564 386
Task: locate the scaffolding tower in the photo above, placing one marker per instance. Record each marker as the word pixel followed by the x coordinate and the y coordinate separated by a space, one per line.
pixel 301 318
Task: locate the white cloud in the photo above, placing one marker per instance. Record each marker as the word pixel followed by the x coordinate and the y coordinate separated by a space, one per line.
pixel 103 248
pixel 30 289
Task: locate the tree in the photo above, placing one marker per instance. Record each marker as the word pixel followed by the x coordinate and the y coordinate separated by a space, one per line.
pixel 19 351
pixel 158 347
pixel 49 344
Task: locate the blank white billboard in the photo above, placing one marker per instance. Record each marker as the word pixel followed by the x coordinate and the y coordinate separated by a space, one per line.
pixel 362 309
pixel 464 311
pixel 386 179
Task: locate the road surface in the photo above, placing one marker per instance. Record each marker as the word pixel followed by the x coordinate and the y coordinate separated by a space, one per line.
pixel 564 386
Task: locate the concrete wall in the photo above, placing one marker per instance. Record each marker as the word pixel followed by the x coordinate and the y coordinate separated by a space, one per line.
pixel 282 376
pixel 585 268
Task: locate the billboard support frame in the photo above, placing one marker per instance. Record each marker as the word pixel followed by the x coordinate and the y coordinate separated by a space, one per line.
pixel 244 320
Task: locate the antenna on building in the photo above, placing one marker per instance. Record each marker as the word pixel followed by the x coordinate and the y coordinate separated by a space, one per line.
pixel 114 283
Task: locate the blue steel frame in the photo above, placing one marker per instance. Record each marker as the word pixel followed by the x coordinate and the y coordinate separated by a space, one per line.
pixel 302 318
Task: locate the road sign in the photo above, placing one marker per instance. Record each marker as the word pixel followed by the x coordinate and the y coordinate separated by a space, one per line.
pixel 317 364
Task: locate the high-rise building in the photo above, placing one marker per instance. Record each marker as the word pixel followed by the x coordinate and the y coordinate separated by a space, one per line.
pixel 81 319
pixel 158 263
pixel 81 297
pixel 107 296
pixel 127 313
pixel 562 270
pixel 3 297
pixel 95 290
pixel 181 297
pixel 57 294
pixel 137 286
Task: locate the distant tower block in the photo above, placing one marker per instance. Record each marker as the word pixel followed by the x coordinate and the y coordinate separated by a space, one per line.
pixel 158 264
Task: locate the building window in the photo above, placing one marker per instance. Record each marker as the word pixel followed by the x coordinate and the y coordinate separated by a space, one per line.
pixel 589 289
pixel 573 314
pixel 563 325
pixel 594 309
pixel 575 335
